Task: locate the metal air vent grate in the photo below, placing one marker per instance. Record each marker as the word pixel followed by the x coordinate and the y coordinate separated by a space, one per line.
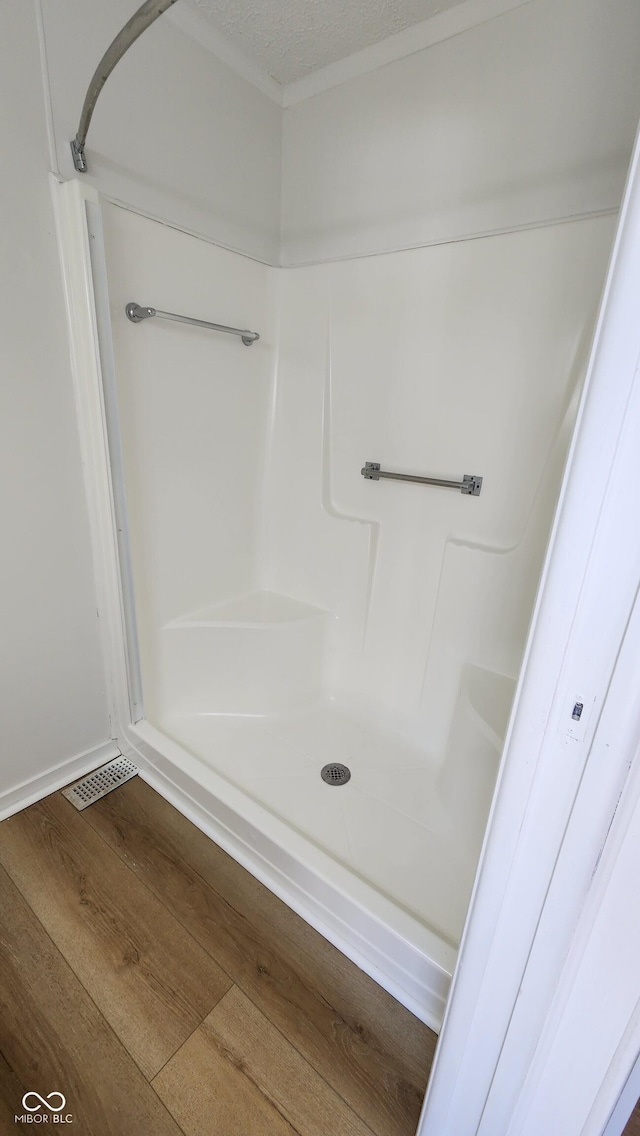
pixel 100 782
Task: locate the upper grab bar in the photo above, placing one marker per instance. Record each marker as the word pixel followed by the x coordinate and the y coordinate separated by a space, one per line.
pixel 136 314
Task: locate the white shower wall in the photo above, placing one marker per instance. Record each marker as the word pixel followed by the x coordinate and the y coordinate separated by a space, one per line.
pixel 465 358
pixel 292 613
pixel 194 422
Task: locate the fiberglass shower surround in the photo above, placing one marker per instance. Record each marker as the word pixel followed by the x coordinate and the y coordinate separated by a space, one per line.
pixel 293 613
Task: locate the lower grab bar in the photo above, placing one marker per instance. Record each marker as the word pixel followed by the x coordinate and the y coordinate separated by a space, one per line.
pixel 470 484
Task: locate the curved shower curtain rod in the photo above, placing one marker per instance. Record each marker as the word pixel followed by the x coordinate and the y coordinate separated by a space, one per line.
pixel 139 22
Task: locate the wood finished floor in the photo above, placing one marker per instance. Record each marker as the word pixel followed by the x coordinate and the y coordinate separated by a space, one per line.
pixel 163 990
pixel 633 1125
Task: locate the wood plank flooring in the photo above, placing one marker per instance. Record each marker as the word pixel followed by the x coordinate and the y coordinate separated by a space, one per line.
pixel 633 1124
pixel 163 990
pixel 54 1039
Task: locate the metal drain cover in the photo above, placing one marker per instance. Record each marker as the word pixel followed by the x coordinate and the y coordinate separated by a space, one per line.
pixel 335 773
pixel 100 782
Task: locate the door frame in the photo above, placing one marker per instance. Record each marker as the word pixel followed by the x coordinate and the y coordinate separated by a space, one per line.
pixel 550 836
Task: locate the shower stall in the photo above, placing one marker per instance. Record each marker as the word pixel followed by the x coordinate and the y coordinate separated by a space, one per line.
pixel 288 613
pixel 319 541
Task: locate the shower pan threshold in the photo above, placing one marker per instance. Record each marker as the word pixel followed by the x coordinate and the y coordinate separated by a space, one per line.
pixel 349 862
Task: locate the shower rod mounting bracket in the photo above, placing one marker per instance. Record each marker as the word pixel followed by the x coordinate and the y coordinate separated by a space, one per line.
pixel 77 153
pixel 470 485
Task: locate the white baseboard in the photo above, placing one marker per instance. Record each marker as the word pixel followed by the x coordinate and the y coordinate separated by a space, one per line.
pixel 27 793
pixel 393 948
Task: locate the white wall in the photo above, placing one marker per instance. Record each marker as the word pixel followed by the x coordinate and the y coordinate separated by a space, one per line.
pixel 176 133
pixel 525 118
pixel 52 691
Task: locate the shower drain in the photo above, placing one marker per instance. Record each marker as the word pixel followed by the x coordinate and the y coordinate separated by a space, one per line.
pixel 335 774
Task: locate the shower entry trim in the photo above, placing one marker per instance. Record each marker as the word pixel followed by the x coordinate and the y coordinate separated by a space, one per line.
pixel 136 313
pixel 471 485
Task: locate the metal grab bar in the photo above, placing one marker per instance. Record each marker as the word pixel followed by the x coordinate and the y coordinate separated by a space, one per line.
pixel 136 314
pixel 470 484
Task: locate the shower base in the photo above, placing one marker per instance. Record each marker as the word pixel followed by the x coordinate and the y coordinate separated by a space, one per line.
pixel 383 865
pixel 388 824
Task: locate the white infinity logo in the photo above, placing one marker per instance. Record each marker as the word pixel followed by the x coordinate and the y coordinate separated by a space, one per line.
pixel 43 1101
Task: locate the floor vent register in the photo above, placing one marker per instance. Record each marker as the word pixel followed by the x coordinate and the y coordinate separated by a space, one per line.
pixel 97 784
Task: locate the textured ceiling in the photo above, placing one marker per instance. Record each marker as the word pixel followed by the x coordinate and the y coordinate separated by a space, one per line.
pixel 289 38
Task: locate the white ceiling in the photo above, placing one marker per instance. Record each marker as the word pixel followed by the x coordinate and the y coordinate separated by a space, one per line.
pixel 288 39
